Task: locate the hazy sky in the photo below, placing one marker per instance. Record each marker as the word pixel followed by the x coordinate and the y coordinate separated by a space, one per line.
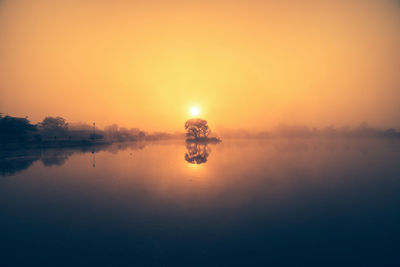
pixel 247 64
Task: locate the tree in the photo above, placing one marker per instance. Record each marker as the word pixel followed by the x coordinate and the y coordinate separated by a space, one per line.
pixel 16 128
pixel 51 126
pixel 197 129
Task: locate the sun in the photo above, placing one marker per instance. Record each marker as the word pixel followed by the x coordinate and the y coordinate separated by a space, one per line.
pixel 194 111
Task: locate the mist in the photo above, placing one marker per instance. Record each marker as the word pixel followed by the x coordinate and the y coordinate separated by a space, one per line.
pixel 245 64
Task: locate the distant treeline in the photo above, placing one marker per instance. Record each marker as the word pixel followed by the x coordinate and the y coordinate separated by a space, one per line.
pixel 57 129
pixel 301 131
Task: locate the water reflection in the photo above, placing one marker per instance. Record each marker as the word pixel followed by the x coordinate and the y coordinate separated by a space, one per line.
pixel 254 203
pixel 93 159
pixel 15 161
pixel 55 157
pixel 197 153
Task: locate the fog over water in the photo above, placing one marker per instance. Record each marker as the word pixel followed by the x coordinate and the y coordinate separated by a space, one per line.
pixel 287 201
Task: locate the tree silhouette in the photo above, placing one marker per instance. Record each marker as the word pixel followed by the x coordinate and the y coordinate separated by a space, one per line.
pixel 196 129
pixel 53 126
pixel 15 128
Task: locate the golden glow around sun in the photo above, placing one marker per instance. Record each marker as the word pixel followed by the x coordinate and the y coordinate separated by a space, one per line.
pixel 194 111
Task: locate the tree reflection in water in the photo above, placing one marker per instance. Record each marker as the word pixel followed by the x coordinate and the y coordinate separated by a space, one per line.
pixel 197 153
pixel 14 161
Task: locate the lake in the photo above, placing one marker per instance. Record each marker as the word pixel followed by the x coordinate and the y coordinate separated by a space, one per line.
pixel 278 202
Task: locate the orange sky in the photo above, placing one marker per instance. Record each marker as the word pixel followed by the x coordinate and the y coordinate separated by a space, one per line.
pixel 245 64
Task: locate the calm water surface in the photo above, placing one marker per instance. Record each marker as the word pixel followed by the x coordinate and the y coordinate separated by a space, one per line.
pixel 247 203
